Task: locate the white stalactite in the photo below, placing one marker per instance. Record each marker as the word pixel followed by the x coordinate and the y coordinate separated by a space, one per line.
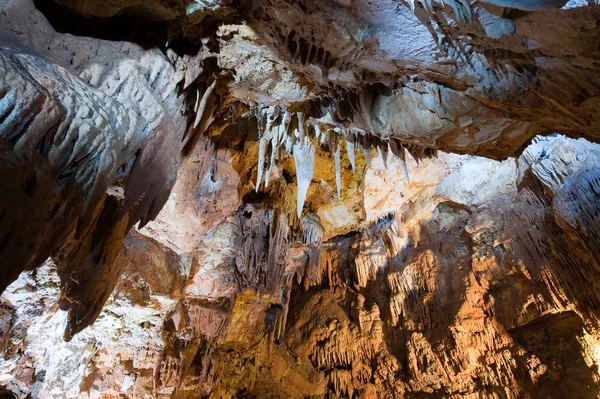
pixel 300 132
pixel 312 230
pixel 323 138
pixel 383 154
pixel 351 154
pixel 268 134
pixel 317 130
pixel 275 142
pixel 403 163
pixel 338 179
pixel 197 100
pixel 263 143
pixel 462 9
pixel 304 159
pixel 202 106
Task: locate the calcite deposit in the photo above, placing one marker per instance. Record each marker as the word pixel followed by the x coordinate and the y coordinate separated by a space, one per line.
pixel 299 199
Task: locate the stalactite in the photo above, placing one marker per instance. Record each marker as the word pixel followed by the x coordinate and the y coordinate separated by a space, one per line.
pixel 289 137
pixel 403 163
pixel 313 234
pixel 383 153
pixel 367 151
pixel 312 229
pixel 263 143
pixel 304 159
pixel 338 179
pixel 201 107
pixel 462 9
pixel 275 143
pixel 351 154
pixel 260 265
pixel 397 149
pixel 293 132
pixel 301 133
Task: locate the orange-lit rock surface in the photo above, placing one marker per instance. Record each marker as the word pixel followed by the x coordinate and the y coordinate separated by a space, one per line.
pixel 455 291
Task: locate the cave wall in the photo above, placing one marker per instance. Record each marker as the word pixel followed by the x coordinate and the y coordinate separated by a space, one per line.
pixel 83 122
pixel 448 294
pixel 99 115
pixel 289 199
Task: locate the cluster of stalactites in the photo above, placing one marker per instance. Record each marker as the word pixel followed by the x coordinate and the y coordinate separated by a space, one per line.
pixel 461 8
pixel 281 132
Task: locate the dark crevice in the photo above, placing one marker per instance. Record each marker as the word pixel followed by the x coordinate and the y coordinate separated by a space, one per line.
pixel 123 27
pixel 127 26
pixel 20 130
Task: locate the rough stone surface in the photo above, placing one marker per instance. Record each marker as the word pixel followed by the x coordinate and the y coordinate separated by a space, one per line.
pixel 299 199
pixel 460 290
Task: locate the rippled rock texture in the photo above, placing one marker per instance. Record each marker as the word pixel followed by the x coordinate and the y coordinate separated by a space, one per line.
pixel 299 198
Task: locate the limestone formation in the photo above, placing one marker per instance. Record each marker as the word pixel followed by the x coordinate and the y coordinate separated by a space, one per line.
pixel 299 199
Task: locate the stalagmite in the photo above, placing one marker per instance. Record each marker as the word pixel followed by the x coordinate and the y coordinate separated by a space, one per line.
pixel 304 159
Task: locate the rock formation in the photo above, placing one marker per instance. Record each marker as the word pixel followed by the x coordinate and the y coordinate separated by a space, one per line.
pixel 292 199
